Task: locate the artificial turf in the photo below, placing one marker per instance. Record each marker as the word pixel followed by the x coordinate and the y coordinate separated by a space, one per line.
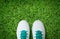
pixel 13 11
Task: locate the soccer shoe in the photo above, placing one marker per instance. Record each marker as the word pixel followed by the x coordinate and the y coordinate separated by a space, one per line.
pixel 23 30
pixel 38 30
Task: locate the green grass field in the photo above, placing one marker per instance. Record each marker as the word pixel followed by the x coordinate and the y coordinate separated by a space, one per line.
pixel 13 11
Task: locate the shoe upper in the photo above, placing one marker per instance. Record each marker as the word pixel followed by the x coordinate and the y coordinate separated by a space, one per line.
pixel 38 30
pixel 23 30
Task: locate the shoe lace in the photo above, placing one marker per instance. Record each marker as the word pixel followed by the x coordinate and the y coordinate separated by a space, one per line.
pixel 38 34
pixel 23 34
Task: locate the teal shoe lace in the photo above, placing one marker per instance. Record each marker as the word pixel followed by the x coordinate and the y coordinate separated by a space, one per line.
pixel 23 34
pixel 38 34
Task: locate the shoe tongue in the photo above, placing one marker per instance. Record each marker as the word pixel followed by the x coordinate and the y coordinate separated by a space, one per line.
pixel 38 34
pixel 23 38
pixel 23 34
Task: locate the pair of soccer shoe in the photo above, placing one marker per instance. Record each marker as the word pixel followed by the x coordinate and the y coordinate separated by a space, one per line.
pixel 23 30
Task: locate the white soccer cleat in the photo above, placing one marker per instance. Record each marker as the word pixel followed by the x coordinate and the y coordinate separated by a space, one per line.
pixel 38 30
pixel 23 30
